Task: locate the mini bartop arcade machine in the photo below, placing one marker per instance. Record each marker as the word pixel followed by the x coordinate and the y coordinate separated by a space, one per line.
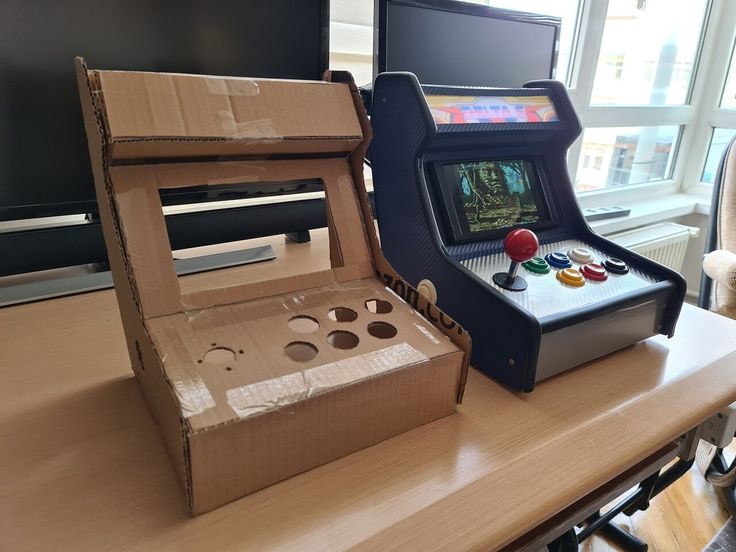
pixel 476 209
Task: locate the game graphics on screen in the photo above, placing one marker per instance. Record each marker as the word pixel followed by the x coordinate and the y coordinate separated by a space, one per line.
pixel 495 194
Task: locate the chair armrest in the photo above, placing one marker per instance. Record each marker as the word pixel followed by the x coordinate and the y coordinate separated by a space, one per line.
pixel 720 265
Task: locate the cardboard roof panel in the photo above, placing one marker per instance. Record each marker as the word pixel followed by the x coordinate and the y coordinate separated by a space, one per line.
pixel 246 115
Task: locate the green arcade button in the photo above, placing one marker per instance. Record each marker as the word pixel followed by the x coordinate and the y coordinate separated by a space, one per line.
pixel 537 265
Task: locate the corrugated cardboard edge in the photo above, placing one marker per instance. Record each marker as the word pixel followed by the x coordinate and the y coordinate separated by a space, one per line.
pixel 145 361
pixel 384 270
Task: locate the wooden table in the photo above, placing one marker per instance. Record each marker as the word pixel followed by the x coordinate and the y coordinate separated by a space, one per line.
pixel 82 466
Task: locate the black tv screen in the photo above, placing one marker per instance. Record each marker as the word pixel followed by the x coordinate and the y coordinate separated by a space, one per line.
pixel 456 43
pixel 44 161
pixel 487 198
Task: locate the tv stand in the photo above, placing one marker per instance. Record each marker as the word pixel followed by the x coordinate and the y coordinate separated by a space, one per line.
pixel 68 281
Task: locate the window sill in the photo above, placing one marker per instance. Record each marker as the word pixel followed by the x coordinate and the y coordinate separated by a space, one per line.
pixel 651 211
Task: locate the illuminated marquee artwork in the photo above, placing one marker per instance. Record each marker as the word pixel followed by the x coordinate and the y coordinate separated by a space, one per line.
pixel 459 110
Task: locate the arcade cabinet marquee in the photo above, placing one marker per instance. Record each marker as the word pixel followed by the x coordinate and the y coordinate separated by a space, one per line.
pixel 476 208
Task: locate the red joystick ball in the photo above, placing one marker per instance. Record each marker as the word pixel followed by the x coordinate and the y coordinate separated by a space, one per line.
pixel 521 245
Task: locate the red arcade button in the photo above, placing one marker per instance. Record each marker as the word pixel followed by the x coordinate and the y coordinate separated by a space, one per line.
pixel 594 271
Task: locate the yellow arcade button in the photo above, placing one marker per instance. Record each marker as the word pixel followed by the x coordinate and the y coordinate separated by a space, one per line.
pixel 571 277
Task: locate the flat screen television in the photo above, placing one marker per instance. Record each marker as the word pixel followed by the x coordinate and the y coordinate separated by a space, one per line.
pixel 44 161
pixel 456 43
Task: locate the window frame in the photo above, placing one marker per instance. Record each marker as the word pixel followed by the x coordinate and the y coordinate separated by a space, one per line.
pixel 710 115
pixel 590 37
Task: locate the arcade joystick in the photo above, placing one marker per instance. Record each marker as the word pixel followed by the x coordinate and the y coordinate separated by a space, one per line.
pixel 520 245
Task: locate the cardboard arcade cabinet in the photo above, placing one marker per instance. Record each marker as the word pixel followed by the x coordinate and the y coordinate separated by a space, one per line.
pixel 261 380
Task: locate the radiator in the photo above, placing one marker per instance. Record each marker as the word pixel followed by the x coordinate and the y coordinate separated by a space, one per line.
pixel 665 242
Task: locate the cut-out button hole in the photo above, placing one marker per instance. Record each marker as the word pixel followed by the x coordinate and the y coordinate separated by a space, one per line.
pixel 343 340
pixel 219 355
pixel 300 351
pixel 303 324
pixel 342 314
pixel 379 306
pixel 382 330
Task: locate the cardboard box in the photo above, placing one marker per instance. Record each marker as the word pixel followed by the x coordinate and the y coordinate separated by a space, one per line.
pixel 256 382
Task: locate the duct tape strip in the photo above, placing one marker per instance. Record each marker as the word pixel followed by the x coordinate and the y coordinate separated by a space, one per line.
pixel 422 328
pixel 194 396
pixel 275 393
pixel 257 129
pixel 232 87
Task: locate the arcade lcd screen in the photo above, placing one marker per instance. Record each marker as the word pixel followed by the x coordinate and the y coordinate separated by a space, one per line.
pixel 487 198
pixel 456 43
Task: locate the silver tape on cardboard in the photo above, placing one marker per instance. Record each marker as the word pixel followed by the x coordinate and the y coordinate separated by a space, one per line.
pixel 275 393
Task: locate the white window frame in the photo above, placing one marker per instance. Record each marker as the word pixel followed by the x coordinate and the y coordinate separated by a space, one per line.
pixel 697 118
pixel 711 81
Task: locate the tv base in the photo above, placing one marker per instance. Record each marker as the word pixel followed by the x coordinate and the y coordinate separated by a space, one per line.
pixel 59 285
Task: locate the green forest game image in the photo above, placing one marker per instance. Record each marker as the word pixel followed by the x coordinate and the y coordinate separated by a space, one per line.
pixel 496 194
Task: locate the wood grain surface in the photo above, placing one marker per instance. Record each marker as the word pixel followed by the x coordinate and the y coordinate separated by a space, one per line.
pixel 83 467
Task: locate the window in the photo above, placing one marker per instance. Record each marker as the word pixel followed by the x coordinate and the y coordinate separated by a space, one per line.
pixel 718 142
pixel 648 54
pixel 718 126
pixel 625 155
pixel 641 74
pixel 633 91
pixel 728 100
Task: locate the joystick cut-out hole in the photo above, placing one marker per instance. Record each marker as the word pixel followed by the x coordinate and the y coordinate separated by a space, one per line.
pixel 378 306
pixel 342 314
pixel 303 324
pixel 301 351
pixel 219 355
pixel 343 340
pixel 382 330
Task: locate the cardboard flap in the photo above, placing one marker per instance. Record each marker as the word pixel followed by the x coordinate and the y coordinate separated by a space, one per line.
pixel 158 115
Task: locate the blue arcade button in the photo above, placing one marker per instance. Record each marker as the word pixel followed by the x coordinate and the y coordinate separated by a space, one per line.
pixel 558 260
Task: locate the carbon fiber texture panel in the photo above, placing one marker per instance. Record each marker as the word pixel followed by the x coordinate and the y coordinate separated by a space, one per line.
pixel 547 296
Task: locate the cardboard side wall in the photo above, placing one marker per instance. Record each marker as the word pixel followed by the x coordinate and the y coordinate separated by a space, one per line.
pixel 144 360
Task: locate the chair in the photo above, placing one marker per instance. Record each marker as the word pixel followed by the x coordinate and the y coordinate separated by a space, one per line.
pixel 718 284
pixel 718 293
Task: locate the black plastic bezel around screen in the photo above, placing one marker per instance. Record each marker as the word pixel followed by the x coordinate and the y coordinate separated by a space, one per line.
pixel 453 213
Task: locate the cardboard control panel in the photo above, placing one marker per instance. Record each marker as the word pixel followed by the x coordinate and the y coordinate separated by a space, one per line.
pixel 475 205
pixel 260 380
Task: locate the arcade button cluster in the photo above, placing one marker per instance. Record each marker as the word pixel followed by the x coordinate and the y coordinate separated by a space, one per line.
pixel 521 246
